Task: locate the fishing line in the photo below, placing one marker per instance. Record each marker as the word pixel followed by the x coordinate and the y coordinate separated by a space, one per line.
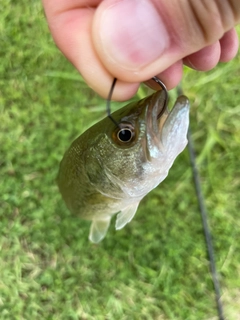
pixel 109 98
pixel 206 229
pixel 109 102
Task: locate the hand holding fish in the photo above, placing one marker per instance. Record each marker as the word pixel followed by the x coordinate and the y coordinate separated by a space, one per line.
pixel 134 40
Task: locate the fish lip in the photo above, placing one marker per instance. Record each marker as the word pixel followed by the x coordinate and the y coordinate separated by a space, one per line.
pixel 157 108
pixel 158 104
pixel 164 107
pixel 183 100
pixel 156 126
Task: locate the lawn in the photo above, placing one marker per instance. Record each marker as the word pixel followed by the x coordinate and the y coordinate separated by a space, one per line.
pixel 157 266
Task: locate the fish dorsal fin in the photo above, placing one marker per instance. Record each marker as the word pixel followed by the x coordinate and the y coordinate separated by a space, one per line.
pixel 126 215
pixel 99 229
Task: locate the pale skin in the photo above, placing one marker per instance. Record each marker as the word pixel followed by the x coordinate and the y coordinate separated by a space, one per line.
pixel 134 40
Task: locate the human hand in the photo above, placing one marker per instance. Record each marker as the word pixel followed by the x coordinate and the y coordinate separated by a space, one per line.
pixel 134 40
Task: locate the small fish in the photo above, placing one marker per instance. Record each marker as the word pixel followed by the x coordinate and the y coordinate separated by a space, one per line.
pixel 109 169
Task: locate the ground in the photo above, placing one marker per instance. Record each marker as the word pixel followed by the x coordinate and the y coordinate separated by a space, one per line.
pixel 157 266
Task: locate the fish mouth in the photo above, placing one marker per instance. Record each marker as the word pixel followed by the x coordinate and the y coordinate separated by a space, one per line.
pixel 166 136
pixel 158 110
pixel 164 107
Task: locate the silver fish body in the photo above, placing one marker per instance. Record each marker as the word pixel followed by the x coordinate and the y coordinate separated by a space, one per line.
pixel 108 169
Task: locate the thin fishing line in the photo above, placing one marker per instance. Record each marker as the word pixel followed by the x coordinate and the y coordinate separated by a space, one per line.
pixel 109 102
pixel 206 229
pixel 156 79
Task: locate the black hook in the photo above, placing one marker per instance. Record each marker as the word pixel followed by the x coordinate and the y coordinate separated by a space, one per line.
pixel 156 79
pixel 164 88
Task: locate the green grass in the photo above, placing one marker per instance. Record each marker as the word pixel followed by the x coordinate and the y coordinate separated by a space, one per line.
pixel 156 267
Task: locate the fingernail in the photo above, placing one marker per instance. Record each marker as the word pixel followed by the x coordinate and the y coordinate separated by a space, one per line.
pixel 132 33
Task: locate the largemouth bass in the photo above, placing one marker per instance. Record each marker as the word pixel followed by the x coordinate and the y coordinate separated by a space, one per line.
pixel 109 169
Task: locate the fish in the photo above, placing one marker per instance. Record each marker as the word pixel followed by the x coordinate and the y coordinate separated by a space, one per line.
pixel 109 168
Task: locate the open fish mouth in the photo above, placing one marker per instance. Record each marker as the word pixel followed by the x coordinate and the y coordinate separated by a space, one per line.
pixel 166 135
pixel 158 111
pixel 158 104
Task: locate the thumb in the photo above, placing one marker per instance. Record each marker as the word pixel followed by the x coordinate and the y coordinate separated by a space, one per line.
pixel 136 39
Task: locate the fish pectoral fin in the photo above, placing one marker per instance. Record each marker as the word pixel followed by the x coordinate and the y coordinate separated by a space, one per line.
pixel 126 215
pixel 99 229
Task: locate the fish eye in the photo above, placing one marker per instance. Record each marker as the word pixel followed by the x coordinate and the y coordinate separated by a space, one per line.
pixel 125 135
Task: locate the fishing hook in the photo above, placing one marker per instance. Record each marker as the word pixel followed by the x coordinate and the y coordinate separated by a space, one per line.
pixel 156 79
pixel 164 88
